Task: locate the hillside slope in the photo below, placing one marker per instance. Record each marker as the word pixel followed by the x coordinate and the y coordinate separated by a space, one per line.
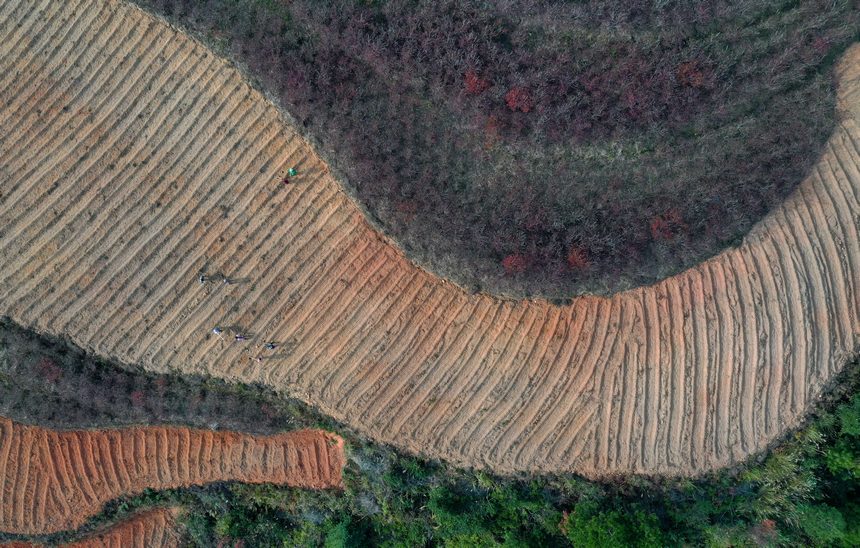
pixel 132 159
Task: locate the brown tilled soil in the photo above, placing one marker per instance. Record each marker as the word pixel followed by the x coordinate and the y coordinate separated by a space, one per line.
pixel 55 480
pixel 149 529
pixel 132 159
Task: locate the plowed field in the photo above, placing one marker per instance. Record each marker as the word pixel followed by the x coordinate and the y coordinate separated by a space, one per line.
pixel 150 529
pixel 132 159
pixel 55 480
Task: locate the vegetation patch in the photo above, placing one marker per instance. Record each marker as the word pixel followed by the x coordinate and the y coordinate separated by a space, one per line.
pixel 543 147
pixel 804 492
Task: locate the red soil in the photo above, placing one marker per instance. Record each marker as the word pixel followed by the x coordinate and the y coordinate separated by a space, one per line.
pixel 149 529
pixel 55 480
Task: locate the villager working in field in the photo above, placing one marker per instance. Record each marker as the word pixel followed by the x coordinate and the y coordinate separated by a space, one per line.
pixel 292 172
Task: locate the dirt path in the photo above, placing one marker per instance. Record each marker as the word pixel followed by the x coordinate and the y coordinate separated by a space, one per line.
pixel 132 159
pixel 55 480
pixel 150 529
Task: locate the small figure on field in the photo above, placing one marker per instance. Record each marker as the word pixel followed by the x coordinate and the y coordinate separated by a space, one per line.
pixel 292 172
pixel 202 279
pixel 239 337
pixel 217 330
pixel 270 346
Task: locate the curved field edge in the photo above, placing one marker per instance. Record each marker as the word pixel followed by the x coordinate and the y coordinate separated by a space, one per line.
pixel 333 63
pixel 145 161
pixel 55 480
pixel 155 528
pixel 766 487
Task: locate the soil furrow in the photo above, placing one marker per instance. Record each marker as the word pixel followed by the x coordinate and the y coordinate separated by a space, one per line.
pixel 20 192
pixel 585 403
pixel 561 377
pixel 508 389
pixel 26 85
pixel 88 453
pixel 370 349
pixel 125 212
pixel 35 86
pixel 361 383
pixel 149 244
pixel 825 208
pixel 146 529
pixel 209 310
pixel 446 412
pixel 419 389
pixel 69 156
pixel 357 314
pixel 845 203
pixel 780 340
pixel 524 415
pixel 185 247
pixel 416 362
pixel 692 373
pixel 488 395
pixel 578 372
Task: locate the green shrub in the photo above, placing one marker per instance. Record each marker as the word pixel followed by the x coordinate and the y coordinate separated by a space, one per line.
pixel 842 460
pixel 849 417
pixel 338 535
pixel 822 524
pixel 782 482
pixel 725 536
pixel 590 527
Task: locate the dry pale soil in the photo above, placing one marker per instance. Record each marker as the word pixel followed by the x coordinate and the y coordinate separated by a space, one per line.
pixel 132 159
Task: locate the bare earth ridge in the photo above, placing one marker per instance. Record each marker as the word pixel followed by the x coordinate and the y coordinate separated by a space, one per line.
pixel 55 480
pixel 132 158
pixel 149 529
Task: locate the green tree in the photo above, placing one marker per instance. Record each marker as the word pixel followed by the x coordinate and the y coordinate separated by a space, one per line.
pixel 589 527
pixel 824 525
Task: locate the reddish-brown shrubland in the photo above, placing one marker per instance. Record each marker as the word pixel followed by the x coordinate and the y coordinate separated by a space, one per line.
pixel 613 111
pixel 475 85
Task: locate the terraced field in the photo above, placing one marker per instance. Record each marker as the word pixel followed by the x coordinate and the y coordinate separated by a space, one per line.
pixel 132 159
pixel 150 529
pixel 55 480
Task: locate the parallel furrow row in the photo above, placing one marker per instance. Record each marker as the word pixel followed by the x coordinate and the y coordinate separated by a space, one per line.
pixel 132 159
pixel 56 480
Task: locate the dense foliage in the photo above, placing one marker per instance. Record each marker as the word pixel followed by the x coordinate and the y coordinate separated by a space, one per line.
pixel 546 146
pixel 807 491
